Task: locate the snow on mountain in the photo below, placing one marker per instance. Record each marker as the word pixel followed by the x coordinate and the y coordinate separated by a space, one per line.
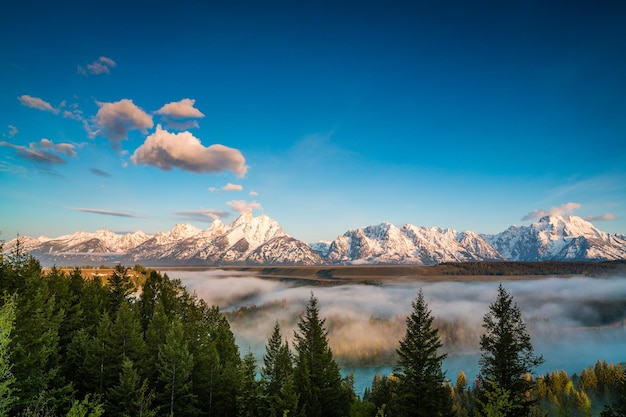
pixel 228 244
pixel 558 238
pixel 386 243
pixel 261 240
pixel 81 247
pixel 285 250
pixel 322 247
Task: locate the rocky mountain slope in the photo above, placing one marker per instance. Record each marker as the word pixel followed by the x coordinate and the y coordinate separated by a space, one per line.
pixel 261 240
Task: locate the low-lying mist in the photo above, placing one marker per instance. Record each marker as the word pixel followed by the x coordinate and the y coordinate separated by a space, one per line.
pixel 572 321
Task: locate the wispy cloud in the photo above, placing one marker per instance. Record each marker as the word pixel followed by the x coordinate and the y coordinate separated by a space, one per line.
pixel 207 216
pixel 603 217
pixel 227 187
pixel 102 65
pixel 114 120
pixel 12 168
pixel 253 193
pixel 104 212
pixel 67 111
pixel 182 150
pixel 37 103
pixel 45 151
pixel 567 208
pixel 243 207
pixel 13 131
pixel 100 172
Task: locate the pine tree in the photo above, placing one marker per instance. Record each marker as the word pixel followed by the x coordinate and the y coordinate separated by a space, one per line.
pixel 224 378
pixel 248 401
pixel 175 366
pixel 100 360
pixel 317 378
pixel 120 287
pixel 421 389
pixel 131 397
pixel 277 376
pixel 127 337
pixel 507 354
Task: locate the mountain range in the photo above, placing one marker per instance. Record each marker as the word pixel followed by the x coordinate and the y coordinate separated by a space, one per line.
pixel 260 240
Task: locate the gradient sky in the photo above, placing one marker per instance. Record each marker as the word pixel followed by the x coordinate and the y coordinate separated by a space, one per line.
pixel 324 116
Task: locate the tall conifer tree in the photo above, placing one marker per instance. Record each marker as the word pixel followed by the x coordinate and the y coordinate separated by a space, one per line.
pixel 317 378
pixel 421 389
pixel 507 354
pixel 277 376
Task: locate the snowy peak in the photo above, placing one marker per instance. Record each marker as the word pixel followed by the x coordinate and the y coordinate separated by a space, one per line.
pixel 558 238
pixel 182 231
pixel 386 243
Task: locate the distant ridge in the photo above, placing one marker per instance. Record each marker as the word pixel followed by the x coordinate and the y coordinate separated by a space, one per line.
pixel 260 240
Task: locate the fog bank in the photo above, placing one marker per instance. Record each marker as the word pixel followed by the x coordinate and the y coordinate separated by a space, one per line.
pixel 572 321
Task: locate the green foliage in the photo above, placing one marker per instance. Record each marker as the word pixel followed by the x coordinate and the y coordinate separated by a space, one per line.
pixel 250 389
pixel 131 397
pixel 120 288
pixel 175 366
pixel 421 389
pixel 277 377
pixel 317 377
pixel 7 379
pixel 497 402
pixel 507 355
pixel 88 407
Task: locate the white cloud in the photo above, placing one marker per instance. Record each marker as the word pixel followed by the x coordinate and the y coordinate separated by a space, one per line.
pixel 253 193
pixel 114 120
pixel 37 103
pixel 183 109
pixel 604 217
pixel 243 207
pixel 102 65
pixel 183 150
pixel 12 131
pixel 233 187
pixel 567 208
pixel 227 187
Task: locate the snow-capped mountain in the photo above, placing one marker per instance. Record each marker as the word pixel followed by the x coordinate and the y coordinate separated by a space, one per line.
pixel 261 240
pixel 388 244
pixel 292 252
pixel 80 248
pixel 558 238
pixel 218 244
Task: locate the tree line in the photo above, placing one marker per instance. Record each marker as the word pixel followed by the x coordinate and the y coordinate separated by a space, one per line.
pixel 73 346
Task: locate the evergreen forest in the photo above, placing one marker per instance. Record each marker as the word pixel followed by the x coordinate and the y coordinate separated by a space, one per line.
pixel 142 345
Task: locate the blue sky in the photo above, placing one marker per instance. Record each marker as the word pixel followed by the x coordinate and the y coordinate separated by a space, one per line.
pixel 325 116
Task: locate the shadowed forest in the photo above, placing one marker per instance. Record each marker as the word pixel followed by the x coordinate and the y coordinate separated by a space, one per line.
pixel 138 343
